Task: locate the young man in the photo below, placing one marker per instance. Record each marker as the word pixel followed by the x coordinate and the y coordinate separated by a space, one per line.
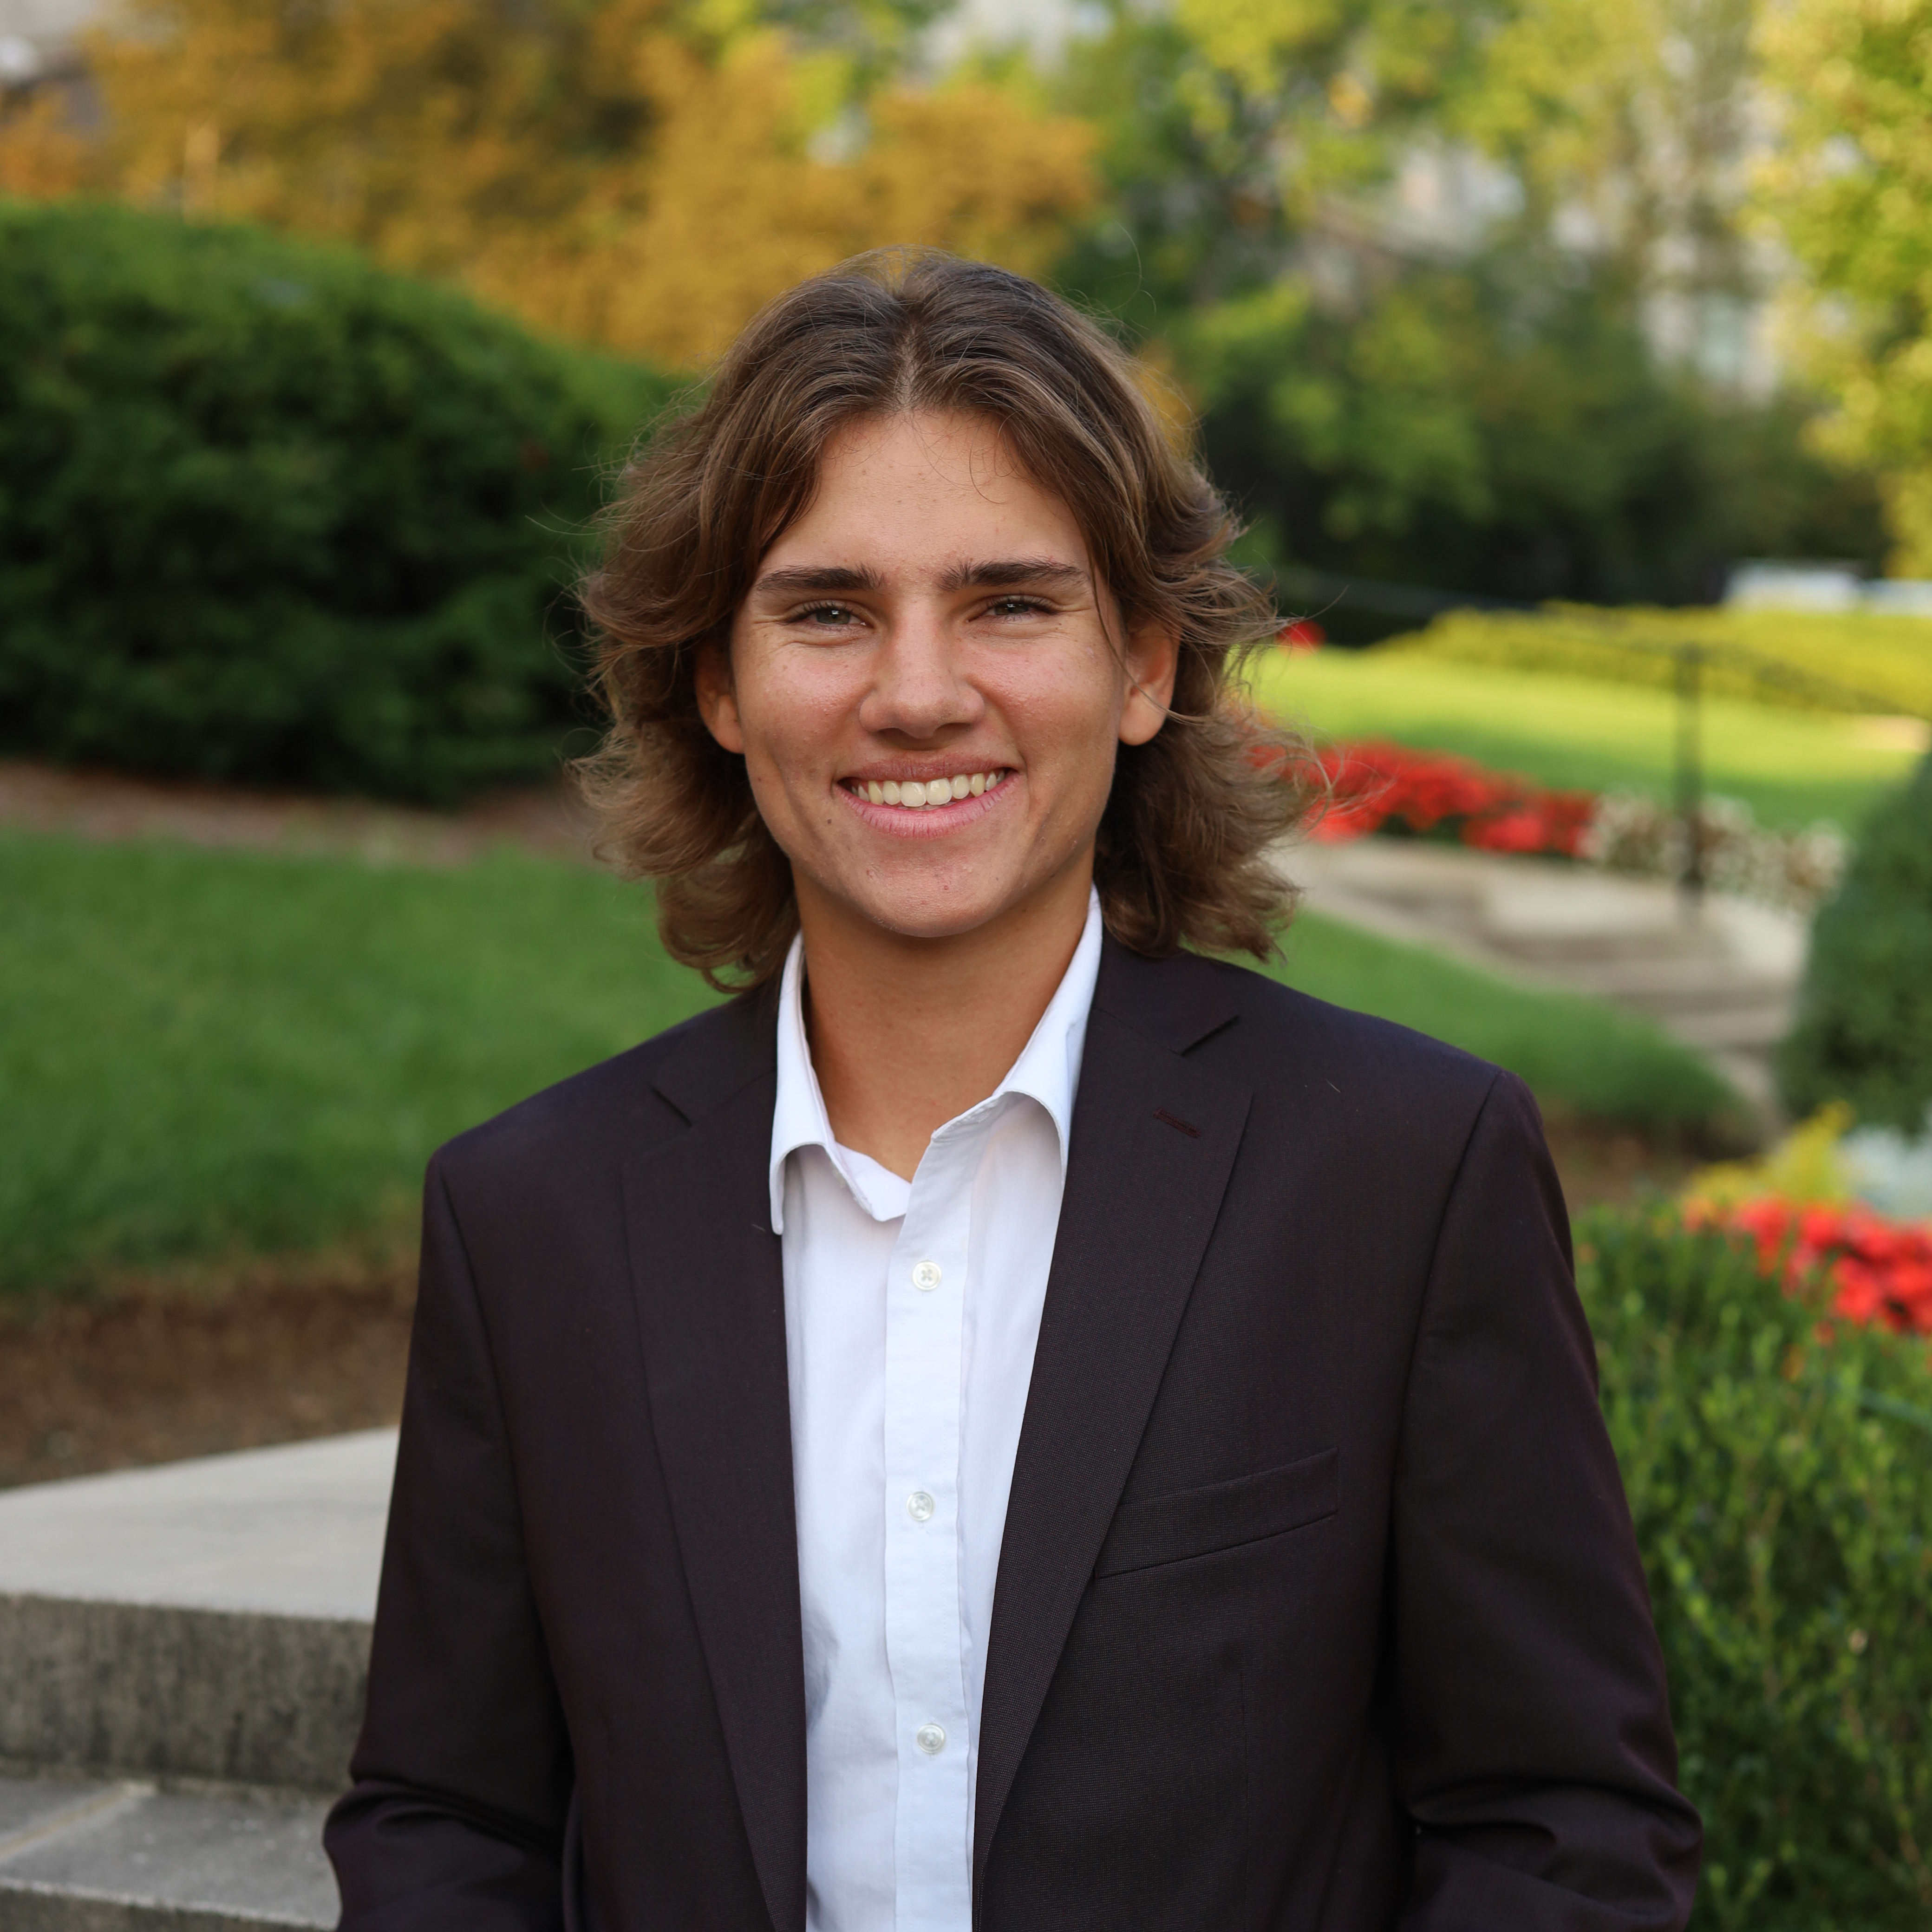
pixel 1008 1423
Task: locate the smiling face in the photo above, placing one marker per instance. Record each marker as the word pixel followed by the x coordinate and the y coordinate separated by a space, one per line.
pixel 928 686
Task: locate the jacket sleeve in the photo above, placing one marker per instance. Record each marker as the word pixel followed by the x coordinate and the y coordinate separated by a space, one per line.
pixel 1535 1753
pixel 462 1775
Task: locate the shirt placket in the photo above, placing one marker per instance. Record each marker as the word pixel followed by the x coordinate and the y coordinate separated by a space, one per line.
pixel 925 1319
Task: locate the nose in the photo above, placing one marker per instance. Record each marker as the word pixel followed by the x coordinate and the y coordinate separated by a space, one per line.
pixel 919 689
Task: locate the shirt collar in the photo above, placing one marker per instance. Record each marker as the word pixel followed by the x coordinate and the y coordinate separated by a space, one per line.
pixel 1048 1070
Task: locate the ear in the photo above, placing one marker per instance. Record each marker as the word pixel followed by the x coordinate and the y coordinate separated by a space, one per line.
pixel 717 700
pixel 1154 656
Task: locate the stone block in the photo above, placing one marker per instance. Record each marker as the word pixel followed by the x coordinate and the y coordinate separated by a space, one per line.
pixel 159 1690
pixel 125 1857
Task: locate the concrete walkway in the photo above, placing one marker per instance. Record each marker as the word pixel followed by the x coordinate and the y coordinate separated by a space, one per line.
pixel 1724 981
pixel 183 1652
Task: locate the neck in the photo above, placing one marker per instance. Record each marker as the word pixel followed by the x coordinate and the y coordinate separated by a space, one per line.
pixel 907 1034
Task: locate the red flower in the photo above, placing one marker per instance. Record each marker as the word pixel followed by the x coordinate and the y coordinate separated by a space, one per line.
pixel 1821 1227
pixel 1880 1270
pixel 1378 787
pixel 1525 829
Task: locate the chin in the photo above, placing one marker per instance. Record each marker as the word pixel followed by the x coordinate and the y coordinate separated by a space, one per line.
pixel 931 919
pixel 930 909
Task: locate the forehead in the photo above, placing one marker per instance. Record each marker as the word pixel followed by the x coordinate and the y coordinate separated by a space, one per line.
pixel 919 494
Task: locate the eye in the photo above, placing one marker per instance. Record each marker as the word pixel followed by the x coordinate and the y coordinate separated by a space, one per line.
pixel 826 616
pixel 1016 606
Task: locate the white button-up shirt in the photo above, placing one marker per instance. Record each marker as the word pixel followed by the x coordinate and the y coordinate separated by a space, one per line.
pixel 911 1313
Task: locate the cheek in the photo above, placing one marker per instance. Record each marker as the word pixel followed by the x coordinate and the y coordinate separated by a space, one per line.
pixel 1065 715
pixel 794 717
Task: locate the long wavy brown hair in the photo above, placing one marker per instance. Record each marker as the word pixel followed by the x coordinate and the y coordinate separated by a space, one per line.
pixel 1184 852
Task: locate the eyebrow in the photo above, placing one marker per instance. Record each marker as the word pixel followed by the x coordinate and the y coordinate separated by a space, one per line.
pixel 802 580
pixel 1003 573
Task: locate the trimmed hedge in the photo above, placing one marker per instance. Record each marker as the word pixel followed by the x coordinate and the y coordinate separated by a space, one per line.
pixel 269 512
pixel 1778 1474
pixel 1807 661
pixel 1863 1032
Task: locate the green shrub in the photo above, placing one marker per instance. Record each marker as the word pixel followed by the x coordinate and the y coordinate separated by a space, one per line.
pixel 268 512
pixel 1779 1480
pixel 1811 661
pixel 1863 1032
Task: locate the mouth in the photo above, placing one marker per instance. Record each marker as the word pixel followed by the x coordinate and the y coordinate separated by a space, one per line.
pixel 926 794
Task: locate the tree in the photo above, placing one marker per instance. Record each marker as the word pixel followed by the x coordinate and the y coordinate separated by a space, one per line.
pixel 1524 395
pixel 1629 123
pixel 41 155
pixel 1233 130
pixel 1496 428
pixel 637 173
pixel 1850 189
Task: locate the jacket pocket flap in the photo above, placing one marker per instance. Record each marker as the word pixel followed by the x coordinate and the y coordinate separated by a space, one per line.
pixel 1220 1515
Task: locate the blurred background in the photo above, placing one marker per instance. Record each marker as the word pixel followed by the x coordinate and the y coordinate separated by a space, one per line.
pixel 1569 363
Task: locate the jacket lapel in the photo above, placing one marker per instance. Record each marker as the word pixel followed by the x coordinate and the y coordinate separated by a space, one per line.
pixel 709 1285
pixel 1154 1137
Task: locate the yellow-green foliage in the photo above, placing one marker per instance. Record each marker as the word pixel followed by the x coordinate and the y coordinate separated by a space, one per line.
pixel 1805 1166
pixel 638 174
pixel 1811 661
pixel 1847 184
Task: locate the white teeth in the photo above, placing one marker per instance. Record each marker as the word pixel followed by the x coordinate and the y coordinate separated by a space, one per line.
pixel 915 794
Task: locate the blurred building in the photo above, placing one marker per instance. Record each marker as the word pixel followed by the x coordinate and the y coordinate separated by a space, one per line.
pixel 38 40
pixel 1783 583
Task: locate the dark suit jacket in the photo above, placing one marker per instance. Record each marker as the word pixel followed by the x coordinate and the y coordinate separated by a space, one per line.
pixel 1318 1606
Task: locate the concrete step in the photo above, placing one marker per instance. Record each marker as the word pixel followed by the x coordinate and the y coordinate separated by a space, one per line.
pixel 1723 981
pixel 203 1619
pixel 1512 922
pixel 1681 982
pixel 1719 1031
pixel 183 1652
pixel 123 1855
pixel 1561 952
pixel 160 1691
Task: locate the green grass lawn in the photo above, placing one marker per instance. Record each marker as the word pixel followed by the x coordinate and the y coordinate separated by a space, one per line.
pixel 206 1054
pixel 1790 766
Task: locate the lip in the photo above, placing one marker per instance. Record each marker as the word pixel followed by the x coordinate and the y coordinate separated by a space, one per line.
pixel 932 821
pixel 920 771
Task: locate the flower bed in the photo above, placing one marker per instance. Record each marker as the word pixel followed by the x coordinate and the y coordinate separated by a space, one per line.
pixel 1376 787
pixel 1775 1466
pixel 1880 1270
pixel 1801 1206
pixel 1797 870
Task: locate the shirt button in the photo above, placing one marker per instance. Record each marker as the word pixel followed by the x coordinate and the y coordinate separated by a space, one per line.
pixel 925 1276
pixel 930 1738
pixel 920 1506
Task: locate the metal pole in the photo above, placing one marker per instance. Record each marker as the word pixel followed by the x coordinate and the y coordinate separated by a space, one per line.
pixel 1690 775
